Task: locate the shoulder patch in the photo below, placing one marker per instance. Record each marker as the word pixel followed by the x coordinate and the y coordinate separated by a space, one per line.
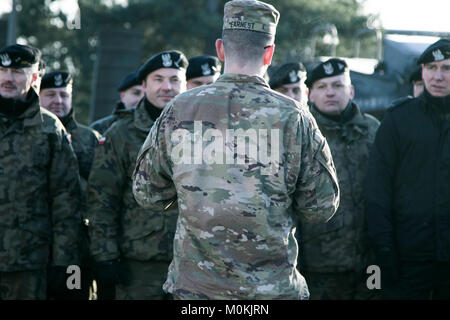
pixel 101 140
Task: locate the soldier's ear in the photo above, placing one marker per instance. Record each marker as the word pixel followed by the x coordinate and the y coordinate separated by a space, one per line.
pixel 268 54
pixel 220 50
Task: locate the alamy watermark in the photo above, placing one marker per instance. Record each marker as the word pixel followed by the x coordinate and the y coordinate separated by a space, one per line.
pixel 257 148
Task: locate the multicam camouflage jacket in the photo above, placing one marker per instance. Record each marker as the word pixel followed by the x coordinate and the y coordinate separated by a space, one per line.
pixel 102 124
pixel 39 192
pixel 235 231
pixel 119 227
pixel 342 244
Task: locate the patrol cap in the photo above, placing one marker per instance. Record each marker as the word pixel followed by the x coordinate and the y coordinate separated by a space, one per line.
pixel 19 56
pixel 416 75
pixel 129 81
pixel 203 66
pixel 440 50
pixel 56 79
pixel 168 59
pixel 330 68
pixel 250 15
pixel 291 72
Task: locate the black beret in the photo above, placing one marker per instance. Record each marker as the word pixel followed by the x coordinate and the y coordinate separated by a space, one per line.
pixel 440 50
pixel 291 72
pixel 416 75
pixel 129 81
pixel 203 66
pixel 169 59
pixel 330 68
pixel 56 79
pixel 19 56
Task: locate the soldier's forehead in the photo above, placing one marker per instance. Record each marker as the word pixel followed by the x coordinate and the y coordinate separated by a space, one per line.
pixel 439 63
pixel 55 90
pixel 167 72
pixel 338 78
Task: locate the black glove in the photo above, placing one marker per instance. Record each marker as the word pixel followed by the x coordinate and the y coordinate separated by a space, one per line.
pixel 387 261
pixel 57 282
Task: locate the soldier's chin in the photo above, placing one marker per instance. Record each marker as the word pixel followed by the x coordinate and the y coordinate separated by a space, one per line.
pixel 8 93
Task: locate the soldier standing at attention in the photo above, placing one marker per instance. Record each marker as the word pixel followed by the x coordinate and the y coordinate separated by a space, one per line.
pixel 202 70
pixel 56 96
pixel 334 256
pixel 131 92
pixel 408 187
pixel 40 194
pixel 132 245
pixel 235 231
pixel 289 79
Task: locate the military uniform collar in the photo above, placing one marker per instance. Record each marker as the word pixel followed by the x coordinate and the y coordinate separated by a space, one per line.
pixel 69 122
pixel 355 124
pixel 235 77
pixel 142 119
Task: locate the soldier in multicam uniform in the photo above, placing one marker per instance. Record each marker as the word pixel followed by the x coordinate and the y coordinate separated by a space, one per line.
pixel 133 245
pixel 334 256
pixel 131 92
pixel 202 70
pixel 56 96
pixel 289 79
pixel 40 193
pixel 235 231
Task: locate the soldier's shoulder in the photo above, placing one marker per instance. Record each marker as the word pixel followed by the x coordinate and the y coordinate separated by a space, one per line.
pixel 400 103
pixel 371 120
pixel 88 132
pixel 51 122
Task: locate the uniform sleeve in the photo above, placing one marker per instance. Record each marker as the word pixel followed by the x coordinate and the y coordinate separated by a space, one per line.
pixel 104 199
pixel 65 192
pixel 378 185
pixel 316 197
pixel 153 187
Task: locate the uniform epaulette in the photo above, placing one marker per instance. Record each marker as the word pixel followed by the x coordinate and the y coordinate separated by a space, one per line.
pixel 400 101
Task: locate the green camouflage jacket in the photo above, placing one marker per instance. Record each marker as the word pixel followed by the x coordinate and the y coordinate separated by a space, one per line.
pixel 235 231
pixel 102 124
pixel 341 244
pixel 84 141
pixel 119 227
pixel 39 192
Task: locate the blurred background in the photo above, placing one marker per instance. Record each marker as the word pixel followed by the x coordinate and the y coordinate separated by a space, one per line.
pixel 100 41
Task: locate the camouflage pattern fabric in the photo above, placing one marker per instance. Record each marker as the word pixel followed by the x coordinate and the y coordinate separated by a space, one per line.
pixel 347 285
pixel 119 227
pixel 23 285
pixel 235 231
pixel 137 288
pixel 102 124
pixel 39 192
pixel 342 243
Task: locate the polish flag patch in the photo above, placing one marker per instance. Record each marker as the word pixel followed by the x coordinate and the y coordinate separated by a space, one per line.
pixel 101 140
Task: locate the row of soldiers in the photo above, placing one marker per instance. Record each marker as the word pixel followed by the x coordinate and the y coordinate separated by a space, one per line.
pixel 117 205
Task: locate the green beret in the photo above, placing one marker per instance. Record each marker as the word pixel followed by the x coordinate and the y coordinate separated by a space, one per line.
pixel 56 79
pixel 169 59
pixel 440 50
pixel 250 15
pixel 330 68
pixel 19 56
pixel 288 73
